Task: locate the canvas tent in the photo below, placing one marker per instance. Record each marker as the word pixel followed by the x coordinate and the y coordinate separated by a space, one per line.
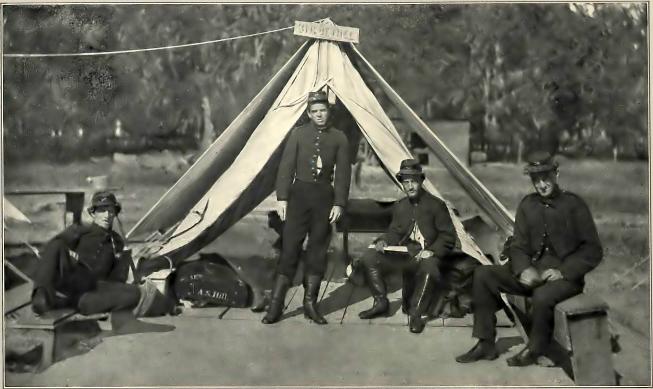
pixel 13 214
pixel 238 171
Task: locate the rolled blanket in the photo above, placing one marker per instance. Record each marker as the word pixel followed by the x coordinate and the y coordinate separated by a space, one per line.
pixel 149 293
pixel 153 302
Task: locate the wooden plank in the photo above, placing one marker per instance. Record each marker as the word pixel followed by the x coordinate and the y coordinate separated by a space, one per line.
pixel 48 321
pixel 327 31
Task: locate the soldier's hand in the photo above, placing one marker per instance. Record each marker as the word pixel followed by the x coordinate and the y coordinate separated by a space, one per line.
pixel 282 205
pixel 424 254
pixel 380 245
pixel 336 213
pixel 551 275
pixel 529 277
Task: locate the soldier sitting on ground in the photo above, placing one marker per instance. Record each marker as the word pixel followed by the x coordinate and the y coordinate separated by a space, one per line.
pixel 84 268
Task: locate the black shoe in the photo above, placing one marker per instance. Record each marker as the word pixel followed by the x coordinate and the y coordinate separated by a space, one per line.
pixel 525 357
pixel 311 290
pixel 278 299
pixel 416 324
pixel 379 308
pixel 483 350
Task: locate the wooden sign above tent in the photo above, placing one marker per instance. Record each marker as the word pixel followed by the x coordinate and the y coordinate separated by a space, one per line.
pixel 327 31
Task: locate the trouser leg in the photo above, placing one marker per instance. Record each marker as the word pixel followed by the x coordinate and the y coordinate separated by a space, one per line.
pixel 489 282
pixel 544 301
pixel 294 231
pixel 109 297
pixel 319 235
pixel 407 289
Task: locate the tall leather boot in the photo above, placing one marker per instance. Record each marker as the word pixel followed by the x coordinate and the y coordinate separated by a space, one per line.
pixel 377 287
pixel 311 290
pixel 407 288
pixel 281 285
pixel 420 302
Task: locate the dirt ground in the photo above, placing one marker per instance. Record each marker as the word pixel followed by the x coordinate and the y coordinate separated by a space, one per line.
pixel 617 197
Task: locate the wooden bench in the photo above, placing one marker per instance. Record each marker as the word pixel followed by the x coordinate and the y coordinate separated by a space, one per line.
pixel 43 328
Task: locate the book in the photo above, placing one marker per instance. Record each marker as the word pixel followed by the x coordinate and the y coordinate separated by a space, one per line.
pixel 392 249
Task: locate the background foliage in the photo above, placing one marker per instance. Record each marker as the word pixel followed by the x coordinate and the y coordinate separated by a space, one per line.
pixel 561 76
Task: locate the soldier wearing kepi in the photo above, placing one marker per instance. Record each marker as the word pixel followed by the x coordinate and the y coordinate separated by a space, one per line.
pixel 80 267
pixel 315 155
pixel 422 223
pixel 555 244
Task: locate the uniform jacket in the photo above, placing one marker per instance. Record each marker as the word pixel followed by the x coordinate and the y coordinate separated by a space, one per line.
pixel 95 250
pixel 433 221
pixel 300 155
pixel 568 223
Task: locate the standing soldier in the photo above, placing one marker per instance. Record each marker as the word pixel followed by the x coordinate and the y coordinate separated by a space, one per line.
pixel 555 244
pixel 315 155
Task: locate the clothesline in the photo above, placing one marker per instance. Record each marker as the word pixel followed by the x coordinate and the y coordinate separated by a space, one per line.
pixel 41 55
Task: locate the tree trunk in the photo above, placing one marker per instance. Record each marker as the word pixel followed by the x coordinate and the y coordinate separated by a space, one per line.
pixel 207 127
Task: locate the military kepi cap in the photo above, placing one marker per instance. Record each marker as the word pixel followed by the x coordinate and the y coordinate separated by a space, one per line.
pixel 539 162
pixel 104 199
pixel 410 167
pixel 317 97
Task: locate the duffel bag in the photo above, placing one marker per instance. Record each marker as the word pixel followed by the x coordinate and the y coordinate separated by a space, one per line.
pixel 210 282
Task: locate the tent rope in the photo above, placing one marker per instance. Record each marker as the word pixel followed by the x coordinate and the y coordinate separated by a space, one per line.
pixel 169 47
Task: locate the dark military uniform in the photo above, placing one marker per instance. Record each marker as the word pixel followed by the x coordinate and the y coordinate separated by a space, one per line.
pixel 304 180
pixel 312 158
pixel 79 269
pixel 433 221
pixel 557 232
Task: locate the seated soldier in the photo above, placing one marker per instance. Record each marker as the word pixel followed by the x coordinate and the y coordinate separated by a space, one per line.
pixel 555 244
pixel 422 223
pixel 82 268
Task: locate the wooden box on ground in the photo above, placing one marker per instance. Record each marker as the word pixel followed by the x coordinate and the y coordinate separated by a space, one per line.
pixel 581 328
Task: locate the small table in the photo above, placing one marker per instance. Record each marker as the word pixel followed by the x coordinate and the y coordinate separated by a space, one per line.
pixel 74 200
